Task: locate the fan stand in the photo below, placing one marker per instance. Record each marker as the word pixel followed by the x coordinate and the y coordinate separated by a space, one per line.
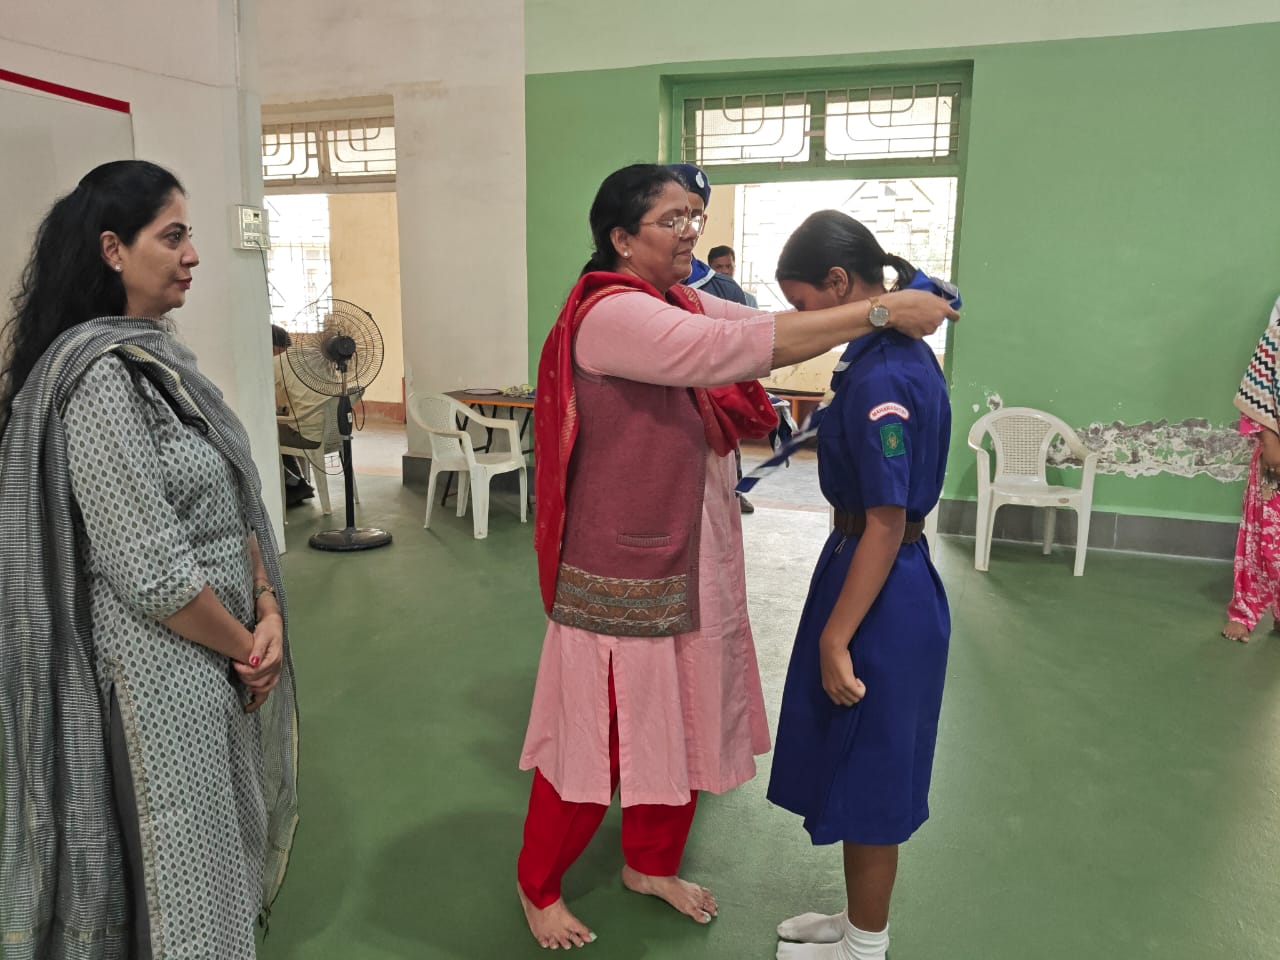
pixel 351 537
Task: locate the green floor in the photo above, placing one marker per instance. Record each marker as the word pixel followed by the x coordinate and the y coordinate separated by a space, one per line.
pixel 1106 786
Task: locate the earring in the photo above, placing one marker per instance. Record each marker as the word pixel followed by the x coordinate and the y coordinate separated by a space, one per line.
pixel 626 254
pixel 118 267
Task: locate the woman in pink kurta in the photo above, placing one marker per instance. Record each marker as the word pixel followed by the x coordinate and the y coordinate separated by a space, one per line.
pixel 1256 589
pixel 669 703
pixel 693 700
pixel 1257 564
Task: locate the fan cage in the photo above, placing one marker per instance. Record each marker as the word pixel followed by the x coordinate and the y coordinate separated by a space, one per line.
pixel 320 323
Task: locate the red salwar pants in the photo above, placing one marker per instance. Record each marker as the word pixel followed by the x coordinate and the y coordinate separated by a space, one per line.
pixel 556 831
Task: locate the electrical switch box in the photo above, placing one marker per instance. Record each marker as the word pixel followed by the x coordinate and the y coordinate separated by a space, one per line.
pixel 249 228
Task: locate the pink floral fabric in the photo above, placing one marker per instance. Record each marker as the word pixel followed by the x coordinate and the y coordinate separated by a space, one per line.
pixel 1257 563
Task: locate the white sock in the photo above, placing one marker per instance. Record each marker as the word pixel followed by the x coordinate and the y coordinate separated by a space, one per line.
pixel 855 945
pixel 813 928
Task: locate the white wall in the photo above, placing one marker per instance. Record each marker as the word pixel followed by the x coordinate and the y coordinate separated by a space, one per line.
pixel 46 142
pixel 456 75
pixel 364 257
pixel 192 103
pixel 590 35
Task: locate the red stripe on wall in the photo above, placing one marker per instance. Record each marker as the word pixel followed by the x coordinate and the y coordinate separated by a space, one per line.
pixel 58 90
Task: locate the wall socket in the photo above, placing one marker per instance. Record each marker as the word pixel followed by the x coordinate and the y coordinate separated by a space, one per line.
pixel 249 229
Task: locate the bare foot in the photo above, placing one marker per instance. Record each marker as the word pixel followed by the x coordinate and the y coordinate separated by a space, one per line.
pixel 555 926
pixel 688 898
pixel 1236 631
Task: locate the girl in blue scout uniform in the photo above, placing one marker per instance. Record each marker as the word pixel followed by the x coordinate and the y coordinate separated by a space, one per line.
pixel 860 708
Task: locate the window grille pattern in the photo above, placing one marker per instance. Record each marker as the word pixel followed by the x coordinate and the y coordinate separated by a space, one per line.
pixel 329 152
pixel 833 126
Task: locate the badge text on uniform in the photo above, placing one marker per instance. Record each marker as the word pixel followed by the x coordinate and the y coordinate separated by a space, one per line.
pixel 891 440
pixel 885 409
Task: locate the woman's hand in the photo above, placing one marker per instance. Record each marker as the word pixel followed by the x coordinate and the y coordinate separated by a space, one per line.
pixel 262 672
pixel 917 313
pixel 1270 450
pixel 838 679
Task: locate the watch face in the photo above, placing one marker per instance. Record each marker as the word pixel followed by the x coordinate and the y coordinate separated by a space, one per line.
pixel 879 315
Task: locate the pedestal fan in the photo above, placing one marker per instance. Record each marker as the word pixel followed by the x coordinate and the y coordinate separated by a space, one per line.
pixel 337 351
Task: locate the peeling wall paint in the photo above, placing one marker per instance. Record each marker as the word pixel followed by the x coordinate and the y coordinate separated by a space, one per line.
pixel 1190 448
pixel 1187 449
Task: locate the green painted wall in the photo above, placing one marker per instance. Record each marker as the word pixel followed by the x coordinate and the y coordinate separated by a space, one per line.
pixel 579 127
pixel 1120 238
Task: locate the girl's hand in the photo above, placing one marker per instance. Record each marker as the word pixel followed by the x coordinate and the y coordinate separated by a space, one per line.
pixel 838 679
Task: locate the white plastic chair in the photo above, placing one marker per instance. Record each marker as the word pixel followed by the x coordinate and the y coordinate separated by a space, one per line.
pixel 312 460
pixel 1021 437
pixel 453 452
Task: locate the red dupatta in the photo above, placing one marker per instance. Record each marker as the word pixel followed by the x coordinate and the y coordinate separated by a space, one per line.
pixel 729 414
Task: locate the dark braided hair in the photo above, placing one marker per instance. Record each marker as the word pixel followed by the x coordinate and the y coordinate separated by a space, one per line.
pixel 625 196
pixel 829 239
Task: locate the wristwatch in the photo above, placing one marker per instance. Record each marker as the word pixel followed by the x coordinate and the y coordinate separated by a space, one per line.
pixel 879 315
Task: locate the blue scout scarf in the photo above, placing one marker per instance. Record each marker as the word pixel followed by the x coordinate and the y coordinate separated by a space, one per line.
pixel 921 281
pixel 700 275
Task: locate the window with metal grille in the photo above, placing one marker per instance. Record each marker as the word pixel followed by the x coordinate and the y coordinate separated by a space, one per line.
pixel 329 153
pixel 831 126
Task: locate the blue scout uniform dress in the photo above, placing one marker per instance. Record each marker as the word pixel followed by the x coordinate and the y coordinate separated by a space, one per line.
pixel 861 773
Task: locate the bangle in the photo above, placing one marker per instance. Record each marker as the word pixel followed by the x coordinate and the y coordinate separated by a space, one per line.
pixel 262 588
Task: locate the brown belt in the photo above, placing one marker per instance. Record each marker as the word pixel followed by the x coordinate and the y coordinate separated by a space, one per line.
pixel 854 524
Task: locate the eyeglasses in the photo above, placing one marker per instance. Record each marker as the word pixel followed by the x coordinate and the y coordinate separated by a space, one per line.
pixel 678 225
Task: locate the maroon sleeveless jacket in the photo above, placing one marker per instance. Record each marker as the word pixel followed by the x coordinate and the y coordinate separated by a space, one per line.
pixel 633 513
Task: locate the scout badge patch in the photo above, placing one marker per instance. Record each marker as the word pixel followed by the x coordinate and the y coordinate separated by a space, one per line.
pixel 891 440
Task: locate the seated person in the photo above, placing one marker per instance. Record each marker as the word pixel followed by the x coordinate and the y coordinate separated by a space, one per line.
pixel 299 416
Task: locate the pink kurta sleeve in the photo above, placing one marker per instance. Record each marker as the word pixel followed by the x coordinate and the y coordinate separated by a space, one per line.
pixel 639 337
pixel 727 309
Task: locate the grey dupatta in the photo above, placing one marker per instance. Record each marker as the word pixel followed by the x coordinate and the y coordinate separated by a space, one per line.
pixel 62 870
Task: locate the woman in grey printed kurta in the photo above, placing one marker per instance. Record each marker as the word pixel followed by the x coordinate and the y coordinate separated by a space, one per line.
pixel 161 517
pixel 146 687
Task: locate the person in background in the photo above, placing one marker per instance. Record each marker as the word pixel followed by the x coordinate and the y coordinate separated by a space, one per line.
pixel 289 417
pixel 723 261
pixel 702 277
pixel 1256 589
pixel 644 387
pixel 146 686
